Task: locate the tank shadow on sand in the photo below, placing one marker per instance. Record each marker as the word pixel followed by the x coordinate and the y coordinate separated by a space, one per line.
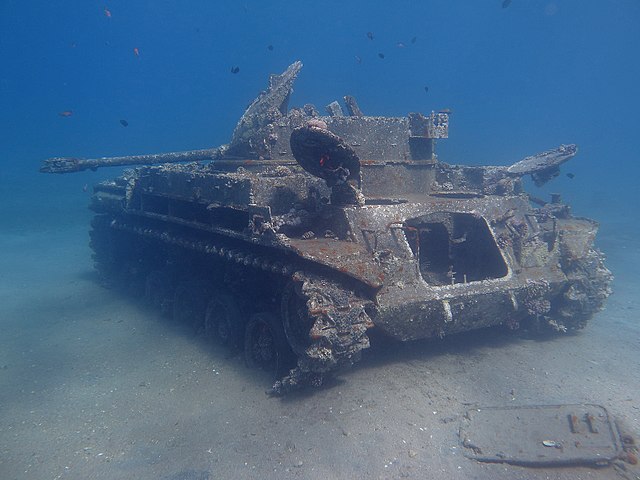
pixel 385 349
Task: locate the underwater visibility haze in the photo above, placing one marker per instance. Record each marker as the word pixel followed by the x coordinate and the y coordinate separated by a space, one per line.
pixel 95 383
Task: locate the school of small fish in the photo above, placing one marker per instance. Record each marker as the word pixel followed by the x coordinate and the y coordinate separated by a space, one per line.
pixel 236 69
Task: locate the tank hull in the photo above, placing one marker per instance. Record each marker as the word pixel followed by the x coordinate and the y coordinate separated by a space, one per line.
pixel 412 266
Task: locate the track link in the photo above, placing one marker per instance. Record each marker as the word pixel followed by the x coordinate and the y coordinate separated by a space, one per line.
pixel 338 332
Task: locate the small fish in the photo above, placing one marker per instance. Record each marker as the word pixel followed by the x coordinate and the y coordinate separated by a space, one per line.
pixel 136 52
pixel 506 3
pixel 358 59
pixel 400 45
pixel 426 89
pixel 235 69
pixel 381 55
pixel 124 123
pixel 370 35
pixel 107 12
pixel 66 113
pixel 270 48
pixel 85 187
pixel 570 175
pixel 413 40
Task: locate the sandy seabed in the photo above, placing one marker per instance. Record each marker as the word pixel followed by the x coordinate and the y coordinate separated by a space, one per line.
pixel 94 385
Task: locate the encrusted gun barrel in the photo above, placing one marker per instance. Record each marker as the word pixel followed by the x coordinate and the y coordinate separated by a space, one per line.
pixel 71 164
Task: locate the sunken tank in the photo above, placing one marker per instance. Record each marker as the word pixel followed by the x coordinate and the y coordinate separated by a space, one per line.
pixel 306 231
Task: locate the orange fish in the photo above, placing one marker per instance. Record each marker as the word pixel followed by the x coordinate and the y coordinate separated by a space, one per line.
pixel 136 52
pixel 66 113
pixel 107 12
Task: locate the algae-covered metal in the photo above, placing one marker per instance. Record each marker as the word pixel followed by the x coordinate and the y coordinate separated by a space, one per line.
pixel 308 230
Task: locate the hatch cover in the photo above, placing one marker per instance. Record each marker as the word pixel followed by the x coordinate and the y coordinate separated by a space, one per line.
pixel 540 435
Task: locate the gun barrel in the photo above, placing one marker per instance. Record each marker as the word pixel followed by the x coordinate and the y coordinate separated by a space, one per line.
pixel 543 161
pixel 71 164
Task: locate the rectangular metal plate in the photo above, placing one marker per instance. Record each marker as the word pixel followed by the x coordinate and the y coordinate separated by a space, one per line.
pixel 540 435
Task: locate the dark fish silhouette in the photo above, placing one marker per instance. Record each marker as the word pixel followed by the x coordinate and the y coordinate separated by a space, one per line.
pixel 381 55
pixel 270 48
pixel 235 69
pixel 570 175
pixel 124 123
pixel 370 35
pixel 506 3
pixel 413 40
pixel 426 89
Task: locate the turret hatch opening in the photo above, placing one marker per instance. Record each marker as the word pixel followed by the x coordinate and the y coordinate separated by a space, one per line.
pixel 454 248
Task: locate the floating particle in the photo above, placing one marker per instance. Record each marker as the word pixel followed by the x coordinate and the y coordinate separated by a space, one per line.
pixel 400 45
pixel 66 113
pixel 370 35
pixel 381 55
pixel 136 52
pixel 358 59
pixel 124 123
pixel 107 12
pixel 235 69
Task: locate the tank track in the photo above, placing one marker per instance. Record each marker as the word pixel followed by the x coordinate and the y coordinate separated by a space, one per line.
pixel 338 333
pixel 589 287
pixel 338 315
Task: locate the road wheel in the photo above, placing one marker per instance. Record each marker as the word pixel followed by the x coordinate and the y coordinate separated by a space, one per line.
pixel 296 321
pixel 224 321
pixel 265 343
pixel 190 303
pixel 158 291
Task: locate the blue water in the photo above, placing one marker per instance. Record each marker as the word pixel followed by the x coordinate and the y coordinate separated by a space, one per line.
pixel 519 80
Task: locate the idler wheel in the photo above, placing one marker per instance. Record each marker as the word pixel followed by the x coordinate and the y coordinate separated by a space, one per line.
pixel 265 343
pixel 325 155
pixel 223 321
pixel 190 303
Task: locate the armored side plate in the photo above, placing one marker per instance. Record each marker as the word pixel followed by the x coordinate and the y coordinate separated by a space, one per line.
pixel 551 435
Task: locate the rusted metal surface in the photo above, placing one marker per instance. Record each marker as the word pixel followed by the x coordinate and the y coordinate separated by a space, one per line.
pixel 541 435
pixel 70 164
pixel 342 223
